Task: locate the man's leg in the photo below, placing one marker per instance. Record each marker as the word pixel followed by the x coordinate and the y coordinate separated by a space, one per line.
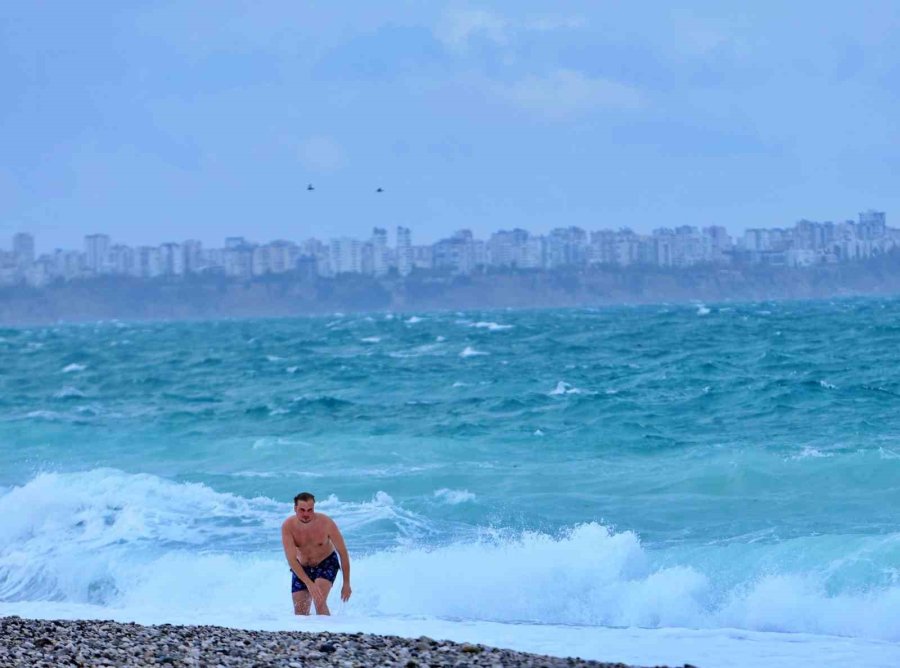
pixel 324 586
pixel 302 600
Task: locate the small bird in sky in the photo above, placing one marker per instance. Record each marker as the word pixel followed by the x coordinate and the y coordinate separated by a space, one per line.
pixel 380 190
pixel 310 187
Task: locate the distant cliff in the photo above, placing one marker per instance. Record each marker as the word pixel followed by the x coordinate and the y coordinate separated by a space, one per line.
pixel 203 297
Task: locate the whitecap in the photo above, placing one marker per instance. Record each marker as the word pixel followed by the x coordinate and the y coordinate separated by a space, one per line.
pixel 811 453
pixel 563 387
pixel 45 415
pixel 68 393
pixel 490 326
pixel 454 496
pixel 827 385
pixel 469 351
pixel 702 310
pixel 72 368
pixel 371 339
pixel 274 358
pixel 413 320
pixel 292 369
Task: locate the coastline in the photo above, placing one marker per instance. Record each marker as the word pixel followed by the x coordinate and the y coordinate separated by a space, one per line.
pixel 289 295
pixel 36 642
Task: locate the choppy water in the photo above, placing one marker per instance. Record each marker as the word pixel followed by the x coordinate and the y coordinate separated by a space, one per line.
pixel 705 467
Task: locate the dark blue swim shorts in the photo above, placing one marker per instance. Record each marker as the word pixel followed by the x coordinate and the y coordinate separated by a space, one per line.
pixel 327 568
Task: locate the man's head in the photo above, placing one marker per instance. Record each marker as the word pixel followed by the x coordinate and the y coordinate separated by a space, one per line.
pixel 304 506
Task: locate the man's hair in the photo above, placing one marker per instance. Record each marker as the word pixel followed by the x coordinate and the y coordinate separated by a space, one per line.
pixel 304 496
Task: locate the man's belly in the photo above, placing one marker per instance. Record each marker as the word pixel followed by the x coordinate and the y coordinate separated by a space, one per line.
pixel 314 558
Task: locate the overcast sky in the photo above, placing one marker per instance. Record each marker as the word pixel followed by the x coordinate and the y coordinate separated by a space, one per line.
pixel 159 121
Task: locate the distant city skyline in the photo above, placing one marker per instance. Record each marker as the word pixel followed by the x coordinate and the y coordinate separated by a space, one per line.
pixel 425 235
pixel 807 243
pixel 153 121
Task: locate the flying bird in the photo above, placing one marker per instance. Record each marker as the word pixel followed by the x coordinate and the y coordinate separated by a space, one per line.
pixel 310 187
pixel 380 190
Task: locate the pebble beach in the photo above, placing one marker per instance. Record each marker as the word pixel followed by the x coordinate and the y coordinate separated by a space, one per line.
pixel 32 642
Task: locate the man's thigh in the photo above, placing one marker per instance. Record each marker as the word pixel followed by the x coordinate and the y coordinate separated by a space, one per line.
pixel 302 599
pixel 324 586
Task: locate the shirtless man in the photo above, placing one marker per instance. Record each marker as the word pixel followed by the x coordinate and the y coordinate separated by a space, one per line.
pixel 312 543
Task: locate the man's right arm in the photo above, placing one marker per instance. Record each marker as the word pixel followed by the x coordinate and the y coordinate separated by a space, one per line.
pixel 290 553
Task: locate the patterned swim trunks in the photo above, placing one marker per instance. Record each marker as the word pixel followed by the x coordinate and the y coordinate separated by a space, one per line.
pixel 327 568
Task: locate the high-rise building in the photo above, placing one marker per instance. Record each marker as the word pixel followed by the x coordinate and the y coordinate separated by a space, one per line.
pixel 172 259
pixel 871 225
pixel 122 260
pixel 404 251
pixel 96 253
pixel 346 256
pixel 23 250
pixel 380 254
pixel 193 256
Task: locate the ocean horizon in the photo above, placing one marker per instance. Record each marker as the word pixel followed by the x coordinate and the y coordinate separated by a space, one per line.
pixel 710 483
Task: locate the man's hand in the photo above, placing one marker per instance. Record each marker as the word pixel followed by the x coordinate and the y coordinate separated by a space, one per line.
pixel 318 596
pixel 345 592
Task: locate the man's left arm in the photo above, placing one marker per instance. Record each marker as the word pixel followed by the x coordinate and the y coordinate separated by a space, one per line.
pixel 338 541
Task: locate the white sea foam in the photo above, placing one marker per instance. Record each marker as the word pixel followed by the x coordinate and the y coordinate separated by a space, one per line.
pixel 490 326
pixel 454 496
pixel 371 339
pixel 73 368
pixel 273 358
pixel 563 388
pixel 810 453
pixel 292 369
pixel 279 442
pixel 50 416
pixel 702 310
pixel 68 392
pixel 413 320
pixel 418 351
pixel 469 351
pixel 827 385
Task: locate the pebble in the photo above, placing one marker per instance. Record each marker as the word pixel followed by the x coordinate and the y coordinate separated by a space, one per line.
pixel 33 642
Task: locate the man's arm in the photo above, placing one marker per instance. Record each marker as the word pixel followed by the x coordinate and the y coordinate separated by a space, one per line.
pixel 290 553
pixel 338 541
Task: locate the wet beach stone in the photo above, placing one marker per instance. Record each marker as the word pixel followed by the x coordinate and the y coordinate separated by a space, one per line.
pixel 35 642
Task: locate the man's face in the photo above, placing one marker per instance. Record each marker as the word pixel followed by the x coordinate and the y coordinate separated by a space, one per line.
pixel 305 511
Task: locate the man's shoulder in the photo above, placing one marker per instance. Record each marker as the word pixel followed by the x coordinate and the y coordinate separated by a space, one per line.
pixel 287 523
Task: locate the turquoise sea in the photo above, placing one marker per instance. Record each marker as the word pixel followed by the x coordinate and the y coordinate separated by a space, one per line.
pixel 693 482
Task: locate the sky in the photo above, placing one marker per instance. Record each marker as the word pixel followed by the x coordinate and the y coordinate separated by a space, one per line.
pixel 162 121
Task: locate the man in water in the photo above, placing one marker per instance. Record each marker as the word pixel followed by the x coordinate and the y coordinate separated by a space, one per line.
pixel 312 543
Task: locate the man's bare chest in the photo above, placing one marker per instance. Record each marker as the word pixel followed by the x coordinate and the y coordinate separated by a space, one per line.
pixel 310 537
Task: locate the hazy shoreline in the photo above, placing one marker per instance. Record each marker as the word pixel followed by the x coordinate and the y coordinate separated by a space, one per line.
pixel 28 642
pixel 214 297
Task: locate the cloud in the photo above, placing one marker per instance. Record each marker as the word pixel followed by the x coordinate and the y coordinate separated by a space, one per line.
pixel 322 154
pixel 565 94
pixel 457 28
